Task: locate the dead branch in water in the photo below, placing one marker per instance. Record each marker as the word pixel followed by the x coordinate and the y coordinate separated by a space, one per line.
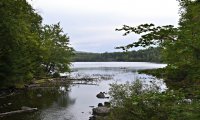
pixel 18 111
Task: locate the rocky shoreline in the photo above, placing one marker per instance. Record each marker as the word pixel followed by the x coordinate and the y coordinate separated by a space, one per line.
pixel 103 110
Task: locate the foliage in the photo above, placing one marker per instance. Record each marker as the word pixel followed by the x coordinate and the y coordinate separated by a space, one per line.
pixel 133 102
pixel 147 55
pixel 56 52
pixel 23 48
pixel 159 35
pixel 158 73
pixel 180 50
pixel 180 46
pixel 18 34
pixel 56 75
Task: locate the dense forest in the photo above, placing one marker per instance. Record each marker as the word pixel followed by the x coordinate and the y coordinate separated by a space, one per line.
pixel 28 48
pixel 147 55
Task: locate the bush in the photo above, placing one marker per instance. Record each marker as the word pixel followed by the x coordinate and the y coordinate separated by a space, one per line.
pixel 136 102
pixel 56 75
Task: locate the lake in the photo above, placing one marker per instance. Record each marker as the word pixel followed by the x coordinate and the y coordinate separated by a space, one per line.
pixel 75 102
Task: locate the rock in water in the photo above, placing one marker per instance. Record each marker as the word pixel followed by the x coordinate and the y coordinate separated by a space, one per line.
pixel 98 118
pixel 100 95
pixel 100 105
pixel 101 111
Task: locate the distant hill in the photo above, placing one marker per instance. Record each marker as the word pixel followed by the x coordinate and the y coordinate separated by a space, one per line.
pixel 147 55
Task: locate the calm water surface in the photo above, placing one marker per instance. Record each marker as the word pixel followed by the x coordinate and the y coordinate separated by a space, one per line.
pixel 73 102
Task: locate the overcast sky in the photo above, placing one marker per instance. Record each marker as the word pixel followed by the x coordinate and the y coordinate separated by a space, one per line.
pixel 91 24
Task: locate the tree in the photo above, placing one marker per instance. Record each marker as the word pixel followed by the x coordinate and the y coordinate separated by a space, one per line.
pixel 56 51
pixel 18 34
pixel 180 50
pixel 180 46
pixel 28 49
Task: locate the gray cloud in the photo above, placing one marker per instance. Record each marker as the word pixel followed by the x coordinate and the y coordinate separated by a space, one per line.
pixel 91 24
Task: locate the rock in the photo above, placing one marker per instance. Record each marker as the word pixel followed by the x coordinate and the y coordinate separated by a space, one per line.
pixel 92 118
pixel 101 111
pixel 100 95
pixel 96 117
pixel 91 106
pixel 39 95
pixel 100 105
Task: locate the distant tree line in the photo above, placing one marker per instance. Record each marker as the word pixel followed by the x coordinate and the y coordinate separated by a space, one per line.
pixel 146 55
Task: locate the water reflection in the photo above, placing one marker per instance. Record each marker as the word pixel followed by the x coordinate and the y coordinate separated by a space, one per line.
pixel 72 102
pixel 49 101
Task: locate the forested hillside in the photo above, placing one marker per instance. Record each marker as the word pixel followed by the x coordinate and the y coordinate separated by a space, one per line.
pixel 147 55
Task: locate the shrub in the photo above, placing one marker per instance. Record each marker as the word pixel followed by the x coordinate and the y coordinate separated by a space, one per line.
pixel 56 75
pixel 136 102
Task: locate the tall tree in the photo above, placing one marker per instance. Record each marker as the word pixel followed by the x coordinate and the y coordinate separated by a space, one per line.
pixel 180 46
pixel 18 34
pixel 28 49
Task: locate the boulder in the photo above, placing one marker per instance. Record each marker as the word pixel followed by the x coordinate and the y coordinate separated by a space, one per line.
pixel 92 118
pixel 100 105
pixel 101 111
pixel 99 118
pixel 100 95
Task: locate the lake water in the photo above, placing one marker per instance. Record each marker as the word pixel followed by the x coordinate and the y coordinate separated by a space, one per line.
pixel 75 103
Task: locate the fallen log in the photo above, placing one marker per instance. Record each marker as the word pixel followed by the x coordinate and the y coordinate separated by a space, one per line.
pixel 7 95
pixel 83 83
pixel 18 111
